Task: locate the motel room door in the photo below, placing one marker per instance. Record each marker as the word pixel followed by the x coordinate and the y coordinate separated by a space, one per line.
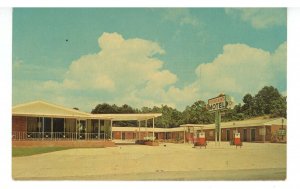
pixel 244 135
pixel 252 136
pixel 227 134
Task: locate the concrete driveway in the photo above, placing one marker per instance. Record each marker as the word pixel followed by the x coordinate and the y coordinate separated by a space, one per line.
pixel 253 161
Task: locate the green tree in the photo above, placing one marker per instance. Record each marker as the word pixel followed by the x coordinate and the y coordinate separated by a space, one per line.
pixel 104 108
pixel 268 100
pixel 197 113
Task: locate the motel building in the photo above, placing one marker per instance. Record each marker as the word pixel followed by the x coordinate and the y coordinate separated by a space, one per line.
pixel 42 121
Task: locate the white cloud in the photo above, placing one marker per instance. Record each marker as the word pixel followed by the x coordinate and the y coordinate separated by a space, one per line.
pixel 123 71
pixel 127 71
pixel 241 69
pixel 261 18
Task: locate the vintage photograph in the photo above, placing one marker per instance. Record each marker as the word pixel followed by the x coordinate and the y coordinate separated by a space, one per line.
pixel 149 94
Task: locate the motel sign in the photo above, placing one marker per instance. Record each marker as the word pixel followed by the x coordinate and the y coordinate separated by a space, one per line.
pixel 217 103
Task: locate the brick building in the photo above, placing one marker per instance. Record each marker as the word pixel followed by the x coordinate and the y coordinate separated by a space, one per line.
pixel 44 121
pixel 40 120
pixel 252 130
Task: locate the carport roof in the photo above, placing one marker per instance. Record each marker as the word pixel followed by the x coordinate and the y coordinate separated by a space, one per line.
pixel 126 117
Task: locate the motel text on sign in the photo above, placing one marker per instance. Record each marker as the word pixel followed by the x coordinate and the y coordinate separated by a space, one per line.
pixel 217 103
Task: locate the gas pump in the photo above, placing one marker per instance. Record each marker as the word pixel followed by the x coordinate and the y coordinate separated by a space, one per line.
pixel 201 141
pixel 237 139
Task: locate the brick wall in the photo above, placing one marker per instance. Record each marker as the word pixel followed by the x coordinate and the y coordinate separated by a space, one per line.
pixel 117 134
pixel 19 123
pixel 208 135
pixel 129 135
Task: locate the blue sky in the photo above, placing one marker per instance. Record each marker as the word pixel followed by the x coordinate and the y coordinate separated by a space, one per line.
pixel 146 57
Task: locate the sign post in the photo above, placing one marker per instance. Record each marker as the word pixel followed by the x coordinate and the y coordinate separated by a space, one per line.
pixel 218 104
pixel 218 127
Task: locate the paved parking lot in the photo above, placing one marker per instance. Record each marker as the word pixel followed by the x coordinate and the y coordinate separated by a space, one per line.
pixel 254 161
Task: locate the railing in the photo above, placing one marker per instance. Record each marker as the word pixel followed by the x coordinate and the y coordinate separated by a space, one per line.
pixel 58 136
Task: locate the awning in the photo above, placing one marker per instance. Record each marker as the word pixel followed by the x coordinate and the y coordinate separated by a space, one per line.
pixel 126 117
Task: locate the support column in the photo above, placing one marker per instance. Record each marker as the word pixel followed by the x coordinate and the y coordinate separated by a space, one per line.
pixel 51 127
pixel 64 127
pixel 139 130
pixel 77 126
pixel 99 129
pixel 79 130
pixel 86 129
pixel 220 131
pixel 111 123
pixel 218 127
pixel 153 129
pixel 43 127
pixel 146 128
pixel 183 135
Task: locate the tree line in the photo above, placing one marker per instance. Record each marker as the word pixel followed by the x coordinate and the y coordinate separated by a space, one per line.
pixel 268 101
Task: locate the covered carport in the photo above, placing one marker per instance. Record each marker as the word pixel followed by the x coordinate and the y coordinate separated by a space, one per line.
pixel 144 117
pixel 191 131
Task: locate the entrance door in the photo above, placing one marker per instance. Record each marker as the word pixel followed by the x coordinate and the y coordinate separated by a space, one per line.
pixel 82 129
pixel 123 136
pixel 245 135
pixel 228 134
pixel 253 134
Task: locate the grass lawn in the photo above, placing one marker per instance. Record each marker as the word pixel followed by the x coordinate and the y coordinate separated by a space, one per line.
pixel 28 151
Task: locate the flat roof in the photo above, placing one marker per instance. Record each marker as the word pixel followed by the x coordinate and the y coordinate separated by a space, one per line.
pixel 126 117
pixel 243 123
pixel 146 129
pixel 193 125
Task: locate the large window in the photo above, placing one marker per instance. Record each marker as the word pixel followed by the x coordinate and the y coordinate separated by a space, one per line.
pixel 58 125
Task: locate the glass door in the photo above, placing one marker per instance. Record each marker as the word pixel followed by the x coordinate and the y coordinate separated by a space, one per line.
pixel 82 129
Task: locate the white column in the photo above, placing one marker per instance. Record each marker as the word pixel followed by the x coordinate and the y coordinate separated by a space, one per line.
pixel 111 121
pixel 43 127
pixel 146 124
pixel 220 130
pixel 86 129
pixel 51 127
pixel 64 127
pixel 98 129
pixel 77 126
pixel 139 130
pixel 183 135
pixel 153 129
